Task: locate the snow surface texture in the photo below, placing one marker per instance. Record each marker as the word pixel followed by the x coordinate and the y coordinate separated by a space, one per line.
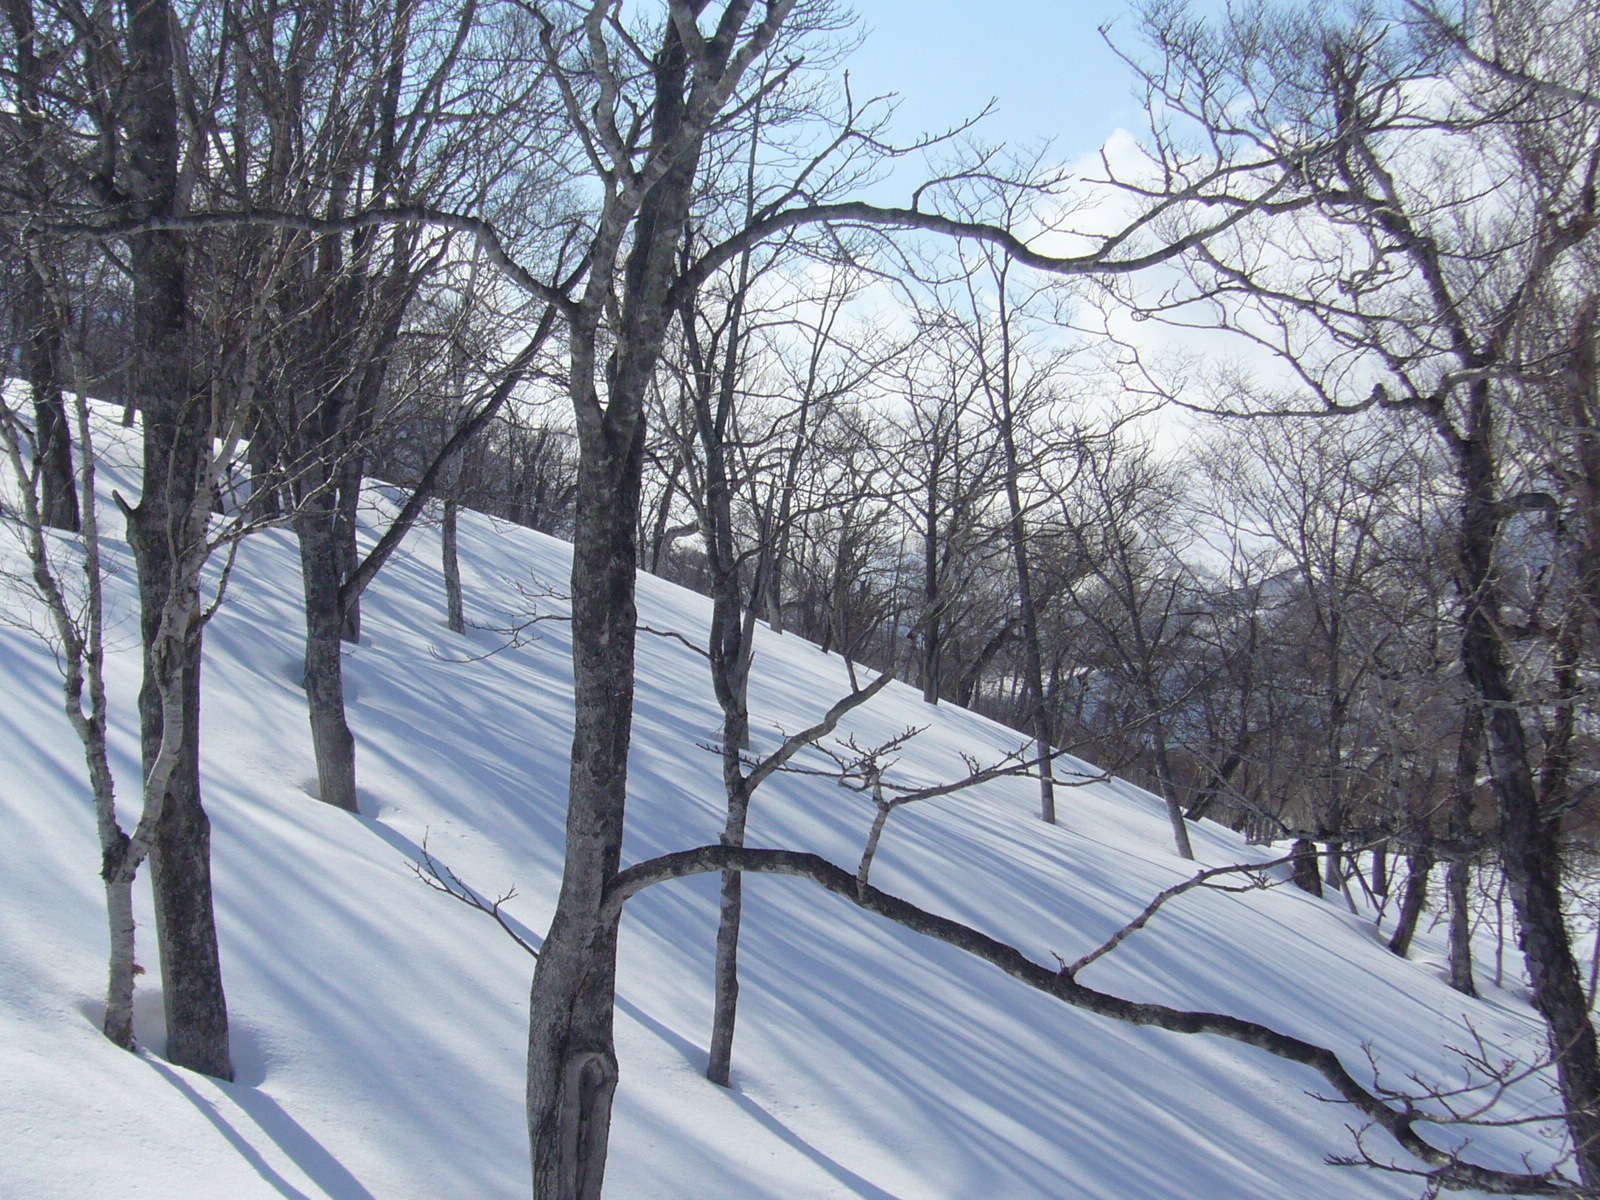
pixel 379 1026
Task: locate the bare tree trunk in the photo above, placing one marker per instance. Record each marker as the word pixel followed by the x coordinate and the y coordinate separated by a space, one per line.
pixel 455 617
pixel 1306 876
pixel 347 551
pixel 80 652
pixel 1333 863
pixel 1528 837
pixel 931 600
pixel 118 1023
pixel 332 743
pixel 1458 887
pixel 1033 660
pixel 572 1067
pixel 1458 880
pixel 186 929
pixel 264 457
pixel 729 671
pixel 714 394
pixel 725 996
pixel 1169 786
pixel 42 353
pixel 177 441
pixel 1418 867
pixel 42 334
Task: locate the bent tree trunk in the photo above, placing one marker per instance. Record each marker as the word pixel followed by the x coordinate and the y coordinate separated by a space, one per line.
pixel 1169 782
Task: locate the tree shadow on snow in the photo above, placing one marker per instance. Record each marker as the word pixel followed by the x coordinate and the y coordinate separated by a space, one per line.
pixel 696 1057
pixel 308 1154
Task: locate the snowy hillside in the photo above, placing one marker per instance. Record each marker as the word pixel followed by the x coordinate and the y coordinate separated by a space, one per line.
pixel 379 1027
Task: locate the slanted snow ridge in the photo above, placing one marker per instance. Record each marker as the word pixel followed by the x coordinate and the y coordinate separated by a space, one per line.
pixel 379 1027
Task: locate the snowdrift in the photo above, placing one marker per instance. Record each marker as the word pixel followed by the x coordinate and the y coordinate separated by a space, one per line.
pixel 379 1026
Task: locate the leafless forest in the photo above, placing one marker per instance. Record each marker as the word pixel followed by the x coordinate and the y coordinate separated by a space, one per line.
pixel 1261 468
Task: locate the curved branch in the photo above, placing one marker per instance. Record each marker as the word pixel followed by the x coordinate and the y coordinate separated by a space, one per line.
pixel 796 742
pixel 1447 1172
pixel 1100 261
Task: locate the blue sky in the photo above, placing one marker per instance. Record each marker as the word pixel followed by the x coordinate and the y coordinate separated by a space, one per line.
pixel 1044 61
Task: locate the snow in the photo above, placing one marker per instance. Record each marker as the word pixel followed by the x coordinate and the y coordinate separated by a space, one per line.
pixel 379 1026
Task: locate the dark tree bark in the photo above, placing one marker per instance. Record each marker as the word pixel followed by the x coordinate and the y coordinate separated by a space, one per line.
pixel 43 354
pixel 1458 881
pixel 43 338
pixel 729 651
pixel 333 745
pixel 177 443
pixel 1307 875
pixel 1418 864
pixel 645 176
pixel 1169 781
pixel 186 930
pixel 932 602
pixel 999 378
pixel 572 1066
pixel 455 617
pixel 1528 835
pixel 360 332
pixel 1458 891
pixel 1427 222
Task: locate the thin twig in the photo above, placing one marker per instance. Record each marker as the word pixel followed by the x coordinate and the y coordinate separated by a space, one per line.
pixel 442 879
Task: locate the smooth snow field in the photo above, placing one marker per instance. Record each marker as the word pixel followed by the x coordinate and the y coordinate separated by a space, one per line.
pixel 379 1027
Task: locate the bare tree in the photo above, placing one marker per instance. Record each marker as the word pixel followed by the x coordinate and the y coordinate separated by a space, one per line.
pixel 949 479
pixel 335 115
pixel 32 140
pixel 76 625
pixel 1390 285
pixel 1137 596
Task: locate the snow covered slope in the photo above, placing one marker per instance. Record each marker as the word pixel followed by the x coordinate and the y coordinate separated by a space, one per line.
pixel 379 1026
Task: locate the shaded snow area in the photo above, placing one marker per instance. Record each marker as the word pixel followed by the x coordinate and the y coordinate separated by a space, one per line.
pixel 379 1026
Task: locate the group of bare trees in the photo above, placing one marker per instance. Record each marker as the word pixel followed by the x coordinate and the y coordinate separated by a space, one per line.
pixel 258 356
pixel 304 245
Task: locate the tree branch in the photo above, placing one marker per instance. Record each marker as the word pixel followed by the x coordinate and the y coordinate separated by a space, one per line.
pixel 1448 1171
